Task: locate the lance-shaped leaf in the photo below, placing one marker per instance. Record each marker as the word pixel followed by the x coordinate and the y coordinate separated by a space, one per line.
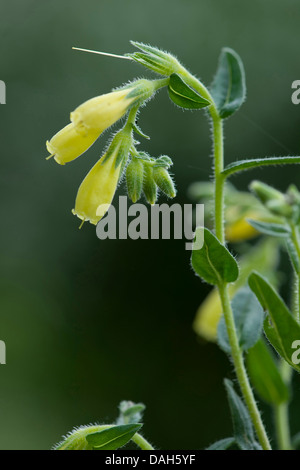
pixel 265 376
pixel 268 228
pixel 242 424
pixel 229 86
pixel 213 262
pixel 292 252
pixel 249 318
pixel 223 444
pixel 282 330
pixel 112 438
pixel 183 95
pixel 253 163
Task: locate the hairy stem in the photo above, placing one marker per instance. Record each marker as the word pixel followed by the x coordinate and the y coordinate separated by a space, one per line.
pixel 281 412
pixel 240 370
pixel 219 178
pixel 296 242
pixel 141 442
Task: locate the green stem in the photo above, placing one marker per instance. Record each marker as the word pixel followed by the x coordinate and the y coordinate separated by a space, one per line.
pixel 282 426
pixel 296 242
pixel 218 153
pixel 142 442
pixel 160 83
pixel 240 369
pixel 219 179
pixel 281 412
pixel 236 352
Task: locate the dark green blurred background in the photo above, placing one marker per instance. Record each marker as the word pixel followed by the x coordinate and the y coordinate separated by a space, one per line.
pixel 86 322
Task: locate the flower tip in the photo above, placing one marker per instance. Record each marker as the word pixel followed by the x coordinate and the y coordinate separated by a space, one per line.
pixel 84 218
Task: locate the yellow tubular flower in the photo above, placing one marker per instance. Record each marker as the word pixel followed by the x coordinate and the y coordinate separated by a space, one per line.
pixel 89 120
pixel 97 190
pixel 99 113
pixel 209 314
pixel 240 230
pixel 67 144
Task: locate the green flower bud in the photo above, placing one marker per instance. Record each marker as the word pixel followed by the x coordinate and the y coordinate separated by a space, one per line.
pixel 280 208
pixel 266 193
pixel 134 179
pixel 164 181
pixel 155 59
pixel 149 185
pixel 293 195
pixel 279 204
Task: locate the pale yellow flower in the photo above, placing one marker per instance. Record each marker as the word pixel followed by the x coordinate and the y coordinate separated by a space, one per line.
pixel 240 229
pixel 101 112
pixel 209 314
pixel 89 120
pixel 97 190
pixel 68 144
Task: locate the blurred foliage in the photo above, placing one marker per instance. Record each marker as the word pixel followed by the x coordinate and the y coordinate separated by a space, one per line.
pixel 68 305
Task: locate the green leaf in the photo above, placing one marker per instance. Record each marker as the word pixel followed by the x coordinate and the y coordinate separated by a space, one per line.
pixel 242 424
pixel 283 330
pixel 183 95
pixel 292 252
pixel 242 165
pixel 112 438
pixel 213 262
pixel 267 228
pixel 139 131
pixel 249 318
pixel 265 376
pixel 223 444
pixel 229 86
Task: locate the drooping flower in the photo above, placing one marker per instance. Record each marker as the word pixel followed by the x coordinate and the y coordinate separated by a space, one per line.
pixel 240 230
pixel 93 117
pixel 68 144
pixel 97 190
pixel 101 112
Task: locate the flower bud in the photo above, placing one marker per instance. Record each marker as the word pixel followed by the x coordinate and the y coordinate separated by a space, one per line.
pixel 266 193
pixel 134 179
pixel 149 185
pixel 280 208
pixel 164 181
pixel 276 202
pixel 67 144
pixel 155 59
